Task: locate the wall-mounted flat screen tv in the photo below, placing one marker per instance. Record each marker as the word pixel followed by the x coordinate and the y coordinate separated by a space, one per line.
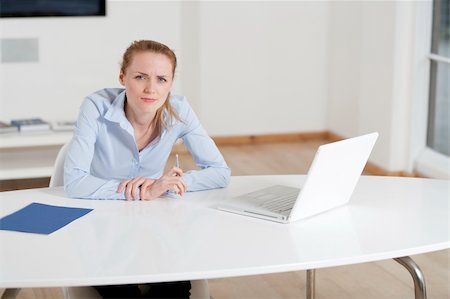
pixel 51 8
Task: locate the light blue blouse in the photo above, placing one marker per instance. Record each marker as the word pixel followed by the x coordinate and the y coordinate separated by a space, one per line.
pixel 103 151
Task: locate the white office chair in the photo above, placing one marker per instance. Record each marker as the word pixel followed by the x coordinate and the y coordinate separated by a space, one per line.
pixel 199 288
pixel 57 178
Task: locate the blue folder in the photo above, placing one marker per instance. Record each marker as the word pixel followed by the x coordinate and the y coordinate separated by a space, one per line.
pixel 41 218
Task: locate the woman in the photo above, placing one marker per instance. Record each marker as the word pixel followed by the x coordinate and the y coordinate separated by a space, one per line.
pixel 123 138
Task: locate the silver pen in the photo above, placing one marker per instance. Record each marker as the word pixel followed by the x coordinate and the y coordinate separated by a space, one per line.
pixel 177 165
pixel 177 161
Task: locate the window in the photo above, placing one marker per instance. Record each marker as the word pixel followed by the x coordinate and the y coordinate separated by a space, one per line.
pixel 439 96
pixel 430 132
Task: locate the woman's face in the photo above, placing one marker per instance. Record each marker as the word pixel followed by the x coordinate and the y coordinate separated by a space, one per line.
pixel 147 80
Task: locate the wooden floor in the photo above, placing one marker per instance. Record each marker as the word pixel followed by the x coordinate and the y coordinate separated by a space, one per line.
pixel 377 280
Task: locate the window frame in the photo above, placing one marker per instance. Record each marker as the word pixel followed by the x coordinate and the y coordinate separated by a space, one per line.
pixel 427 161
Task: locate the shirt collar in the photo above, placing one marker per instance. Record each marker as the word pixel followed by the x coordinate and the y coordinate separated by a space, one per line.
pixel 116 112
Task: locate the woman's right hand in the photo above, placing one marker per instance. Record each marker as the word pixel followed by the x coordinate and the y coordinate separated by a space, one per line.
pixel 131 186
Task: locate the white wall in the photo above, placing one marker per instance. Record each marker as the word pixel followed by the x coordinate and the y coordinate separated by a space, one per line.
pixel 247 67
pixel 344 67
pixel 263 67
pixel 370 86
pixel 78 55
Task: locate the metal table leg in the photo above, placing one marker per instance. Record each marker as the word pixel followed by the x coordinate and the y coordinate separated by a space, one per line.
pixel 417 276
pixel 310 284
pixel 10 293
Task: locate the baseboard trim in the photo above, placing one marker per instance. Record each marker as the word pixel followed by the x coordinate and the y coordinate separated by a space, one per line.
pixel 374 169
pixel 263 138
pixel 267 138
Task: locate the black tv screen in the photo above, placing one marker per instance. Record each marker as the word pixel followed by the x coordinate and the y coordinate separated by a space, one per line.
pixel 51 8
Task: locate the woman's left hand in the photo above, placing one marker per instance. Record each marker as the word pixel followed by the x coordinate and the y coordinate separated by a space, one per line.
pixel 170 181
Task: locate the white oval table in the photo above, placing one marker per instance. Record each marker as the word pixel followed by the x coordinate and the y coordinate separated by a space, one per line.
pixel 172 239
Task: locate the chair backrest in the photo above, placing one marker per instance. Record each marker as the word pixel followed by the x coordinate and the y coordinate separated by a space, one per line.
pixel 57 178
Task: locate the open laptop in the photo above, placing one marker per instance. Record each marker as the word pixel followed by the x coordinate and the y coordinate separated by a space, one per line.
pixel 331 180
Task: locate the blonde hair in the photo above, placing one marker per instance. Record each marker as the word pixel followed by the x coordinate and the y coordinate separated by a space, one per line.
pixel 159 48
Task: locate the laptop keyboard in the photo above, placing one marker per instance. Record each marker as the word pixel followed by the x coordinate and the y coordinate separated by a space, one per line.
pixel 280 203
pixel 277 199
